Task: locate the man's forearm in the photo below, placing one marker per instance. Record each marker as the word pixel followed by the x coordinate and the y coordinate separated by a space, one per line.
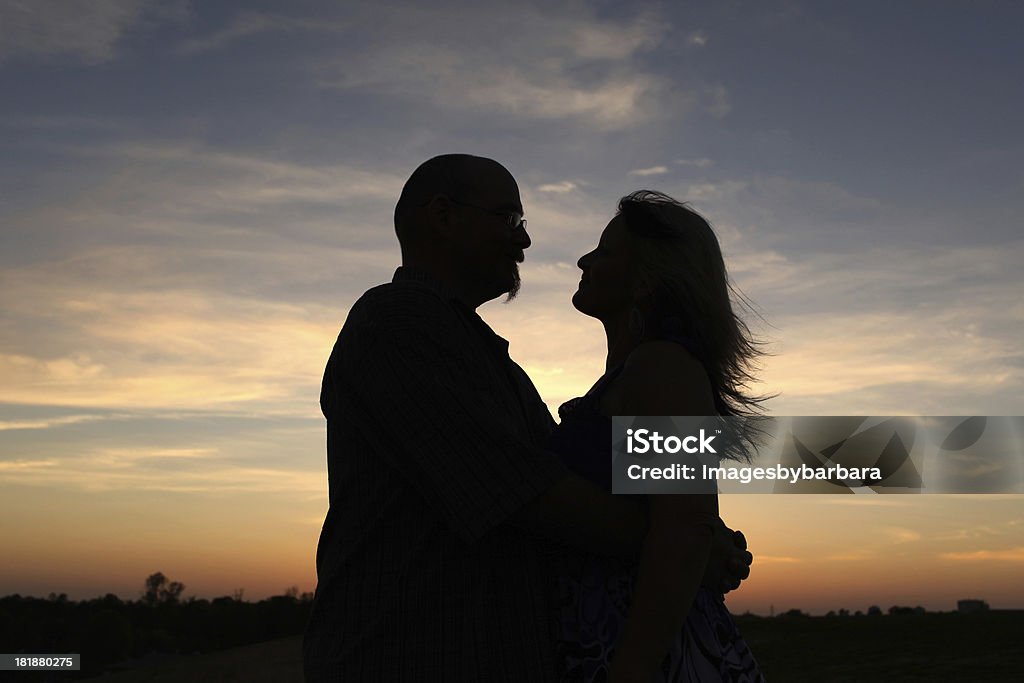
pixel 575 512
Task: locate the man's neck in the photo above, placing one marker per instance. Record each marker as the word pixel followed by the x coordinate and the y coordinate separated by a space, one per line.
pixel 463 291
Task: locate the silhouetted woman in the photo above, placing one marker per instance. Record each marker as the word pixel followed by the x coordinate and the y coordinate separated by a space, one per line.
pixel 658 284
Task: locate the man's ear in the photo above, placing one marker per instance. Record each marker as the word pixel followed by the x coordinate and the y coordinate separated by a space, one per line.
pixel 441 216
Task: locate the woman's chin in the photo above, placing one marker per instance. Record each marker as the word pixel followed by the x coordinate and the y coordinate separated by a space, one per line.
pixel 579 302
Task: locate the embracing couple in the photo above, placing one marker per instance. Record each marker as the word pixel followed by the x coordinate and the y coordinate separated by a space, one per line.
pixel 470 537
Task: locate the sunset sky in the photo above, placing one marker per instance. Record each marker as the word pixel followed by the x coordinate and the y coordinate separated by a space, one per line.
pixel 192 195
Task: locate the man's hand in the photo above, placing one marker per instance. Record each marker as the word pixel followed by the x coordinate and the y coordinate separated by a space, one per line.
pixel 730 561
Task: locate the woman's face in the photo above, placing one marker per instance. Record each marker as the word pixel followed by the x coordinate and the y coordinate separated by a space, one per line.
pixel 609 275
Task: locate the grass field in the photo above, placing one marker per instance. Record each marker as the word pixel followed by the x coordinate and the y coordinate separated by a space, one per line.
pixel 927 647
pixel 276 661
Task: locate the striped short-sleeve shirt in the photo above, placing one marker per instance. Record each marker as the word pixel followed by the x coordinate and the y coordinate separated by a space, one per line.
pixel 434 439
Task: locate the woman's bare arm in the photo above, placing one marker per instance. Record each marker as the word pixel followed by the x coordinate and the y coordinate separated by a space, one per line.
pixel 661 378
pixel 671 567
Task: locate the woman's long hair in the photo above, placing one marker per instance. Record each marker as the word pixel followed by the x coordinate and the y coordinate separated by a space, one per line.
pixel 686 296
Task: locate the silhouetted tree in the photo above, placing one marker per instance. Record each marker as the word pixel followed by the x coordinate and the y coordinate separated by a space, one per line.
pixel 160 591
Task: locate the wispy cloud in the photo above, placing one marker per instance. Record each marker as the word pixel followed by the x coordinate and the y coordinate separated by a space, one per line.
pixel 541 75
pixel 799 214
pixel 776 559
pixel 1004 555
pixel 701 162
pixel 617 41
pixel 167 348
pixel 714 191
pixel 87 31
pixel 29 466
pixel 139 472
pixel 652 170
pixel 903 535
pixel 980 531
pixel 863 361
pixel 697 39
pixel 444 78
pixel 215 205
pixel 122 455
pixel 558 188
pixel 248 24
pixel 237 181
pixel 879 363
pixel 47 423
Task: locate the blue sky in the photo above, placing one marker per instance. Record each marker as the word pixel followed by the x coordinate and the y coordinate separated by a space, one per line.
pixel 194 194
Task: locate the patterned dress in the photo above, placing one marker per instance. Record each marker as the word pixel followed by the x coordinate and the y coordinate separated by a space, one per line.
pixel 594 592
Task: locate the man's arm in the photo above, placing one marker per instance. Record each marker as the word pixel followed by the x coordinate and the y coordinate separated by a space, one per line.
pixel 575 512
pixel 418 394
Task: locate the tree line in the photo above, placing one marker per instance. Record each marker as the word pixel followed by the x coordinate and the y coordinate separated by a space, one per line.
pixel 108 631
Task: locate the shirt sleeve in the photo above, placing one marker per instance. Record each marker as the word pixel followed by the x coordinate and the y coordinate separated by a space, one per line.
pixel 422 399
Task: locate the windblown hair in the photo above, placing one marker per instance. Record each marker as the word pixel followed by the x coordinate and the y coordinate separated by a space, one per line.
pixel 688 297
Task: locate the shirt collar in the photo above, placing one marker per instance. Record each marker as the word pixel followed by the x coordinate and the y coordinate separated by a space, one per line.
pixel 407 274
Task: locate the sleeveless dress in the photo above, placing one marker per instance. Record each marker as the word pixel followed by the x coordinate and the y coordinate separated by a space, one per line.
pixel 593 593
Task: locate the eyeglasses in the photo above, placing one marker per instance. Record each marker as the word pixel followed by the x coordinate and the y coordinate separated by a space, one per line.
pixel 514 220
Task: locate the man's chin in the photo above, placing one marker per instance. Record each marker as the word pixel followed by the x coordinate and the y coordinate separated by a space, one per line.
pixel 514 289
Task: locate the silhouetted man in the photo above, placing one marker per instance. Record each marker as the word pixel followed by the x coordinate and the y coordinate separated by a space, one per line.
pixel 442 498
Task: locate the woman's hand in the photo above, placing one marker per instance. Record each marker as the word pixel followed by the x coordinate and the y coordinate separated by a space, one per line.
pixel 730 560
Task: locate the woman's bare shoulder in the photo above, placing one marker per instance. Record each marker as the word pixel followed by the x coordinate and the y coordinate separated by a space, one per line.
pixel 660 359
pixel 663 378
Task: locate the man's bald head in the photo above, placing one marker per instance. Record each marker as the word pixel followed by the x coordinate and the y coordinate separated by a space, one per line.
pixel 459 176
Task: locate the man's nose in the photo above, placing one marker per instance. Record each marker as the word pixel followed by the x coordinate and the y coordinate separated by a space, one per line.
pixel 521 238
